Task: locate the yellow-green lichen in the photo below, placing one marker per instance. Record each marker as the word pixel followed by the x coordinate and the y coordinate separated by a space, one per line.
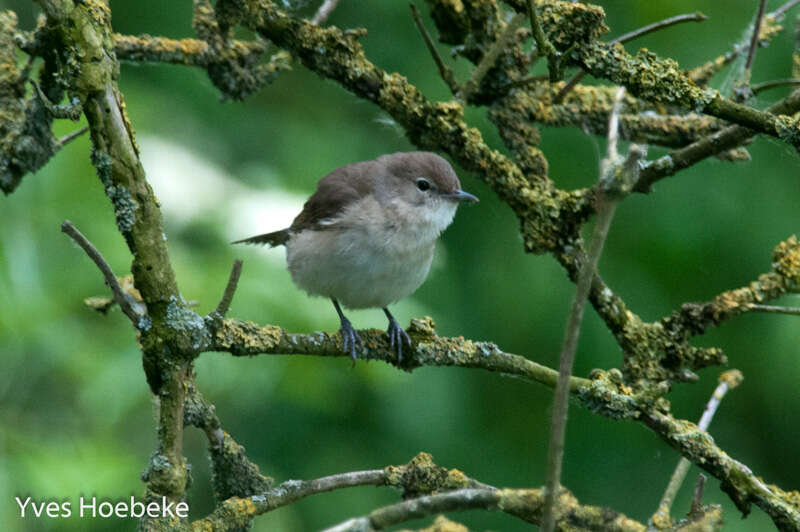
pixel 786 262
pixel 421 476
pixel 246 337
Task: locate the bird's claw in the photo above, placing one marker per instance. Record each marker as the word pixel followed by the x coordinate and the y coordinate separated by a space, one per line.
pixel 350 338
pixel 397 335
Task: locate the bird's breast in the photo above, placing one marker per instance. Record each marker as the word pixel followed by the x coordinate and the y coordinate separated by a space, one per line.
pixel 360 269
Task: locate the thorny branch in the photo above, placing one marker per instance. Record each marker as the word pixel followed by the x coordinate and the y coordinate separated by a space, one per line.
pixel 654 354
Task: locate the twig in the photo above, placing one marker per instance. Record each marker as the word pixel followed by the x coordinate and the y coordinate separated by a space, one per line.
pixel 324 11
pixel 198 412
pixel 605 213
pixel 766 85
pixel 526 81
pixel 751 51
pixel 635 34
pixel 774 309
pixel 543 45
pixel 655 26
pixel 444 71
pixel 728 380
pixel 230 288
pixel 26 69
pixel 568 86
pixel 778 13
pixel 697 499
pixel 420 507
pixel 111 279
pixel 188 52
pixel 721 141
pixel 741 484
pixel 769 28
pixel 63 141
pixel 406 477
pixel 524 504
pixel 71 110
pixel 612 153
pixel 489 59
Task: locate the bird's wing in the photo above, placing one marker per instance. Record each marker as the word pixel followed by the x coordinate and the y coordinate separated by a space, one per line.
pixel 276 238
pixel 335 192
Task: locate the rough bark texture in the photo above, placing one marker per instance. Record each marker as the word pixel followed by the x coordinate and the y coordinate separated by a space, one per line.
pixel 664 106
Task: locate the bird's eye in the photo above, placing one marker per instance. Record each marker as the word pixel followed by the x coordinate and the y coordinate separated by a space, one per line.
pixel 423 184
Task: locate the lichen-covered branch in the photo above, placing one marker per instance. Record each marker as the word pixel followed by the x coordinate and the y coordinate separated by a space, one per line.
pixel 606 207
pixel 525 504
pixel 82 34
pixel 187 52
pixel 661 518
pixel 660 80
pixel 589 107
pixel 427 349
pixel 610 396
pixel 770 27
pixel 738 481
pixel 232 472
pixel 725 139
pixel 81 55
pixel 420 477
pixel 694 318
pixel 236 73
pixel 26 138
pixel 635 34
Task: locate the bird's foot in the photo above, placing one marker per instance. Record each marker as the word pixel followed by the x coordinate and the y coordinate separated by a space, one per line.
pixel 397 335
pixel 350 338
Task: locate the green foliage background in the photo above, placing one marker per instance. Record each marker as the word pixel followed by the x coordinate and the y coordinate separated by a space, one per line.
pixel 76 413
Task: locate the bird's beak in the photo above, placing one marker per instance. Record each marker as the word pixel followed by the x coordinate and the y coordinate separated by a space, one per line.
pixel 460 195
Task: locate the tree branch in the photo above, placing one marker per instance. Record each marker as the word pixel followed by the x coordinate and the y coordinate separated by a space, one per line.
pixel 659 80
pixel 187 52
pixel 526 504
pixel 420 476
pixel 489 59
pixel 82 34
pixel 728 380
pixel 694 318
pixel 247 339
pixel 606 207
pixel 773 309
pixel 631 35
pixel 543 45
pixel 444 71
pixel 774 84
pixel 751 50
pixel 738 481
pixel 719 142
pixel 111 280
pixel 230 288
pixel 324 11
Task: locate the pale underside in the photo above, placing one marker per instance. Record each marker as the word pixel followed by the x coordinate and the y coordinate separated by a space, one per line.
pixel 372 255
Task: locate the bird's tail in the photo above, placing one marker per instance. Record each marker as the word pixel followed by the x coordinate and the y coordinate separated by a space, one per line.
pixel 276 238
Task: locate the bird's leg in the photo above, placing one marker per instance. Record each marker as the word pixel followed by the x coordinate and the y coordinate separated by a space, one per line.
pixel 396 335
pixel 349 335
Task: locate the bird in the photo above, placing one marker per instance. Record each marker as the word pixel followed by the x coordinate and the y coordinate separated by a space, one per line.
pixel 366 237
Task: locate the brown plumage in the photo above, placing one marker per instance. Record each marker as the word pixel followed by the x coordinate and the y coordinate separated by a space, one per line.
pixel 351 182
